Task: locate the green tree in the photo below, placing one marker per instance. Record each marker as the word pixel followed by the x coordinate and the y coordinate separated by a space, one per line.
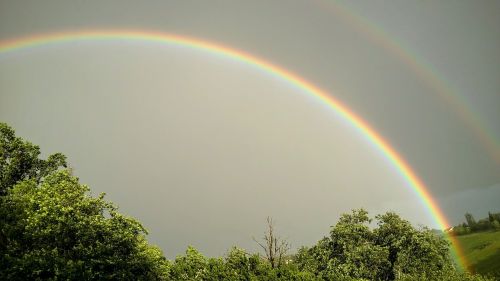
pixel 411 251
pixel 19 160
pixel 238 264
pixel 446 276
pixel 355 253
pixel 391 251
pixel 58 231
pixel 471 222
pixel 192 266
pixel 495 225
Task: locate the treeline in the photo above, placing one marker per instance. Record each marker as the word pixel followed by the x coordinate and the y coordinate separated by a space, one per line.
pixel 52 228
pixel 492 222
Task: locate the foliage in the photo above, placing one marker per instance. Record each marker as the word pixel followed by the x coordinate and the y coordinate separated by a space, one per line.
pixel 446 276
pixel 493 217
pixel 20 160
pixel 237 265
pixel 492 222
pixel 57 230
pixel 392 250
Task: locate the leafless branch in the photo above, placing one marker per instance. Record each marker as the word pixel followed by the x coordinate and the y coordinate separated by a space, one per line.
pixel 275 247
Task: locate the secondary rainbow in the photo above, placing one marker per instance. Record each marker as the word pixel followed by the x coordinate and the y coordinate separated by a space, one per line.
pixel 326 99
pixel 423 69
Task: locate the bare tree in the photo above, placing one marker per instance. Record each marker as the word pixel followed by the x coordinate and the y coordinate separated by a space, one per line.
pixel 274 246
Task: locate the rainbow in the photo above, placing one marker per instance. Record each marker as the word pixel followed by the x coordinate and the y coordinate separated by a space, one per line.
pixel 340 109
pixel 423 69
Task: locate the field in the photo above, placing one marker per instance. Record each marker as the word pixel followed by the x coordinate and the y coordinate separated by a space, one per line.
pixel 482 250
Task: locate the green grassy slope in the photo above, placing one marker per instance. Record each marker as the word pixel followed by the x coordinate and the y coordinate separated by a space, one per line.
pixel 482 250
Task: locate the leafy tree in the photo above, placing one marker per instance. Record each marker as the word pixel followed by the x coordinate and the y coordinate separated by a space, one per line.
pixel 494 217
pixel 471 222
pixel 313 259
pixel 460 230
pixel 20 160
pixel 216 269
pixel 58 231
pixel 496 225
pixel 446 276
pixel 355 253
pixel 192 266
pixel 410 250
pixel 392 250
pixel 238 264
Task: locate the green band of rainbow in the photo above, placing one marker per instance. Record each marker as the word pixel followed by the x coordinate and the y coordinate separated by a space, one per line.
pixel 344 112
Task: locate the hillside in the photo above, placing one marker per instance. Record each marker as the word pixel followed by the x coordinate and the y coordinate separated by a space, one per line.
pixel 482 250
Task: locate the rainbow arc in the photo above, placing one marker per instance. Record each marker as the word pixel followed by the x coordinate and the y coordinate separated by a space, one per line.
pixel 360 125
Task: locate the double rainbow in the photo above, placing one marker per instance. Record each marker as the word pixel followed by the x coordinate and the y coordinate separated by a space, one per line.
pixel 400 165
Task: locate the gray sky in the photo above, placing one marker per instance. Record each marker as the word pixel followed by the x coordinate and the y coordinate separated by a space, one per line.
pixel 201 148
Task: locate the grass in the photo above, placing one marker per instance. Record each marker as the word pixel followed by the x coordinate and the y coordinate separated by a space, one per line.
pixel 482 251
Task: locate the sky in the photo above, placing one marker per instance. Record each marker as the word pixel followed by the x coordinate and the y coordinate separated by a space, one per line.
pixel 202 148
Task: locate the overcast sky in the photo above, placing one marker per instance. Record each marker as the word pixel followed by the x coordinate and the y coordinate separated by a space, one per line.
pixel 201 148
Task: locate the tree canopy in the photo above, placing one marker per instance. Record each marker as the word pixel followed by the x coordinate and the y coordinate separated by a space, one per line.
pixel 391 251
pixel 20 160
pixel 53 229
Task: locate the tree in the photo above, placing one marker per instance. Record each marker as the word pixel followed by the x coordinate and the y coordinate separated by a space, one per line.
pixel 238 264
pixel 57 230
pixel 411 251
pixel 495 225
pixel 275 247
pixel 391 251
pixel 354 251
pixel 191 267
pixel 52 228
pixel 19 160
pixel 471 222
pixel 492 217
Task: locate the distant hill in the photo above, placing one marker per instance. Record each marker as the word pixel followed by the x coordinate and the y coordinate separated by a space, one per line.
pixel 482 250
